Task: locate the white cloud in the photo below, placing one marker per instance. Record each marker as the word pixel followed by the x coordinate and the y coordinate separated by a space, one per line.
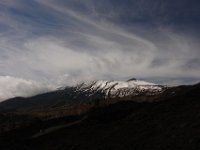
pixel 13 87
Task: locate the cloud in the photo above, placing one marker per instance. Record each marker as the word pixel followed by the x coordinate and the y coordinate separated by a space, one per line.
pixel 61 43
pixel 13 87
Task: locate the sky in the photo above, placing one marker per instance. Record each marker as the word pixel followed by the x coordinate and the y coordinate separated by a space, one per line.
pixel 46 44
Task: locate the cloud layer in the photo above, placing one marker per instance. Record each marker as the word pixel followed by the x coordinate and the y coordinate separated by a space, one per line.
pixel 13 87
pixel 58 42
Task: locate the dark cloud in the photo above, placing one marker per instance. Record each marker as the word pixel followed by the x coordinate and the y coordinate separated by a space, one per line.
pixel 192 64
pixel 159 62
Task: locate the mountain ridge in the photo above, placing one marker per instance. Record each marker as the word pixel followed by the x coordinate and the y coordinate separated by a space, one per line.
pixel 86 92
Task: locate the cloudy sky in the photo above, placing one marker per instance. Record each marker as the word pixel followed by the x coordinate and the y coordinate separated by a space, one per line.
pixel 45 44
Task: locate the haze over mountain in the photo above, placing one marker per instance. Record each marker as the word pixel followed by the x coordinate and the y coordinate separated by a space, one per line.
pixel 45 45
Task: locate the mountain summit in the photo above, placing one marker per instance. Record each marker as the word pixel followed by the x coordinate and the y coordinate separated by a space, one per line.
pixel 118 89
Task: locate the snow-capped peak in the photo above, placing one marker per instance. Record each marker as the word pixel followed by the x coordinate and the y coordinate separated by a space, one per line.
pixel 115 84
pixel 113 89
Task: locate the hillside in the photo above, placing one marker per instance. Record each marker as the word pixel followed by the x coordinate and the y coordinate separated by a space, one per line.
pixel 170 123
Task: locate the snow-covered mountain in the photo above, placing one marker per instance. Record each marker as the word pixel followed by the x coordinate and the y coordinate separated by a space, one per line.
pixel 114 89
pixel 92 92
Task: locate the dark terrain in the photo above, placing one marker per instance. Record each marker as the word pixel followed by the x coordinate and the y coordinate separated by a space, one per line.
pixel 171 122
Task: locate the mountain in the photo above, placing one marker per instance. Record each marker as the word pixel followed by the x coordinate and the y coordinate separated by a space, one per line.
pixel 87 92
pixel 119 89
pixel 170 121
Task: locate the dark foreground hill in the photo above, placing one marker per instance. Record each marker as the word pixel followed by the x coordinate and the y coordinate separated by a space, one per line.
pixel 171 123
